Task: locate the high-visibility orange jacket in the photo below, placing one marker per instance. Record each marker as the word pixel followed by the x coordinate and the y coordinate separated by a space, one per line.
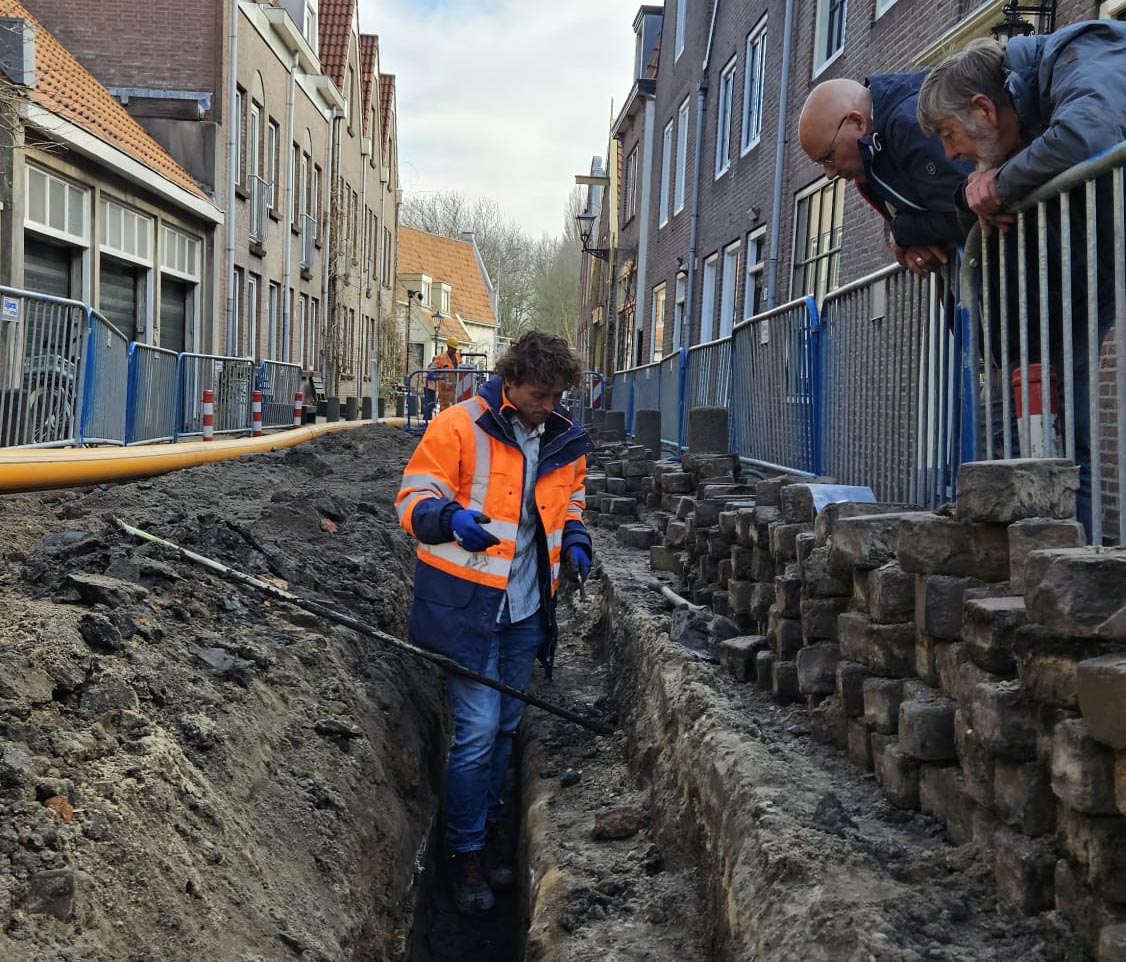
pixel 469 458
pixel 443 383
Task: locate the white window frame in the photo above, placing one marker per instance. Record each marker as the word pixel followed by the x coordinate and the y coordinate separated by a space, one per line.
pixel 180 254
pixel 679 300
pixel 707 298
pixel 71 194
pixel 729 287
pixel 273 306
pixel 666 174
pixel 821 57
pixel 657 338
pixel 631 184
pixel 240 98
pixel 824 252
pixel 723 117
pixel 142 224
pixel 252 284
pixel 273 140
pixel 754 82
pixel 681 23
pixel 681 155
pixel 754 266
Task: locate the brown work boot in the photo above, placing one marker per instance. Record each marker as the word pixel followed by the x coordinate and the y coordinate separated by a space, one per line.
pixel 501 875
pixel 472 894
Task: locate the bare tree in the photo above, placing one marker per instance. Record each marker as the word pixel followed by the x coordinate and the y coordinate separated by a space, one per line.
pixel 537 282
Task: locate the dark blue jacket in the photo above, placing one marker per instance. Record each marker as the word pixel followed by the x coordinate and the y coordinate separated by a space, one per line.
pixel 908 178
pixel 457 617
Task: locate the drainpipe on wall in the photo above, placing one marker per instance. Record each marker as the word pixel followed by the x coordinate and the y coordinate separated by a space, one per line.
pixel 290 204
pixel 639 319
pixel 379 256
pixel 365 159
pixel 233 125
pixel 779 159
pixel 332 165
pixel 698 156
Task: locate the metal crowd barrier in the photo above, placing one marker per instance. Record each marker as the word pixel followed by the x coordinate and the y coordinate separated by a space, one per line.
pixel 1045 295
pixel 708 378
pixel 671 392
pixel 152 394
pixel 467 381
pixel 773 388
pixel 42 349
pixel 647 388
pixel 279 383
pixel 888 365
pixel 105 383
pixel 232 380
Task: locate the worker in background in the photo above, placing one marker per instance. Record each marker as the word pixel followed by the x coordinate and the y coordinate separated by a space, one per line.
pixel 440 387
pixel 494 493
pixel 867 133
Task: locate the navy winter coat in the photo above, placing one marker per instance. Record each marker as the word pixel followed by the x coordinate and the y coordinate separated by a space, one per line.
pixel 908 178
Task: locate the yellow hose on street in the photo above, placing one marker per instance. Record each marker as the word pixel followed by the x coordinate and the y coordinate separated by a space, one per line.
pixel 41 469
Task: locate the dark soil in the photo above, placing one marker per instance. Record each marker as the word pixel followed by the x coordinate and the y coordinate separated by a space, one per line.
pixel 188 771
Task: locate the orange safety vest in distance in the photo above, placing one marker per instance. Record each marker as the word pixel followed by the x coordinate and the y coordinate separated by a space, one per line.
pixel 443 384
pixel 469 458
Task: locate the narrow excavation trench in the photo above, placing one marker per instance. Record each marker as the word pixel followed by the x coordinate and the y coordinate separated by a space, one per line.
pixel 596 883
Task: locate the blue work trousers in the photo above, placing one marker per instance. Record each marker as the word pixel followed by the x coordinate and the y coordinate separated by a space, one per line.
pixel 485 722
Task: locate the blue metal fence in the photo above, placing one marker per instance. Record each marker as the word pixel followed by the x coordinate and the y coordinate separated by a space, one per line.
pixel 105 375
pixel 152 395
pixel 279 383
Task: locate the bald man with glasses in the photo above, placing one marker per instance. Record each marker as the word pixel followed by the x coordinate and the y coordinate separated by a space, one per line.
pixel 868 134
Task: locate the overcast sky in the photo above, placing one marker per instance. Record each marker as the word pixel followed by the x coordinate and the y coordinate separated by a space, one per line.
pixel 504 98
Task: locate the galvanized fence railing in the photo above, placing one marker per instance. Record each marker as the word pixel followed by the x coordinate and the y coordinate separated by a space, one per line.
pixel 671 395
pixel 888 369
pixel 279 383
pixel 152 394
pixel 647 388
pixel 774 393
pixel 1045 295
pixel 709 374
pixel 230 378
pixel 43 341
pixel 104 384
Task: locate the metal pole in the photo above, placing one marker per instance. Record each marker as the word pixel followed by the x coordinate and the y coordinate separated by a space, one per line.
pixel 446 664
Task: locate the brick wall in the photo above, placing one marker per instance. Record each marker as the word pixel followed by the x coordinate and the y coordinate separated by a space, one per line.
pixel 169 46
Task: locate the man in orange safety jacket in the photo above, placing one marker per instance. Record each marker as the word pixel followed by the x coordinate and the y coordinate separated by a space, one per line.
pixel 441 386
pixel 494 493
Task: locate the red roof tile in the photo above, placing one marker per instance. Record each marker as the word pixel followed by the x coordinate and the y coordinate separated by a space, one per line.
pixel 386 108
pixel 66 88
pixel 451 261
pixel 369 62
pixel 336 31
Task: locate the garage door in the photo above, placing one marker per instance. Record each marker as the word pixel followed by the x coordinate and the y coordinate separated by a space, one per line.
pixel 117 295
pixel 46 268
pixel 174 298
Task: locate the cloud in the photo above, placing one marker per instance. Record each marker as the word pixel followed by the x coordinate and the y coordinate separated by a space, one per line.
pixel 504 98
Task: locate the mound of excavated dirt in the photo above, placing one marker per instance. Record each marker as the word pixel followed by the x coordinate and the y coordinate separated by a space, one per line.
pixel 188 771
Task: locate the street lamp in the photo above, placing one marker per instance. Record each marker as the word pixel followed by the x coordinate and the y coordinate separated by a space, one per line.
pixel 585 221
pixel 1012 24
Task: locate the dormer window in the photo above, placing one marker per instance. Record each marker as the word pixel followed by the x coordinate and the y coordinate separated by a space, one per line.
pixel 426 294
pixel 444 300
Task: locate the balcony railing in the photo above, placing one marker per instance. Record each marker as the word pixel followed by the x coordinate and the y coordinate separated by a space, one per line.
pixel 261 195
pixel 308 239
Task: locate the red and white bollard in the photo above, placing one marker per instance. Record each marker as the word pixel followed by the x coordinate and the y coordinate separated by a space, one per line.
pixel 298 398
pixel 256 415
pixel 208 415
pixel 596 392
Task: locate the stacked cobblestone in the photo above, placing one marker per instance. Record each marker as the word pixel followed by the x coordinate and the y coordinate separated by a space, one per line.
pixel 974 660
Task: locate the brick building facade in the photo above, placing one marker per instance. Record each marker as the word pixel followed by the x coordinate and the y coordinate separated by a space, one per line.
pixel 310 269
pixel 726 59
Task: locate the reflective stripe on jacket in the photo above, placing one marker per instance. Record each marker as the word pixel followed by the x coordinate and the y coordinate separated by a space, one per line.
pixel 469 458
pixel 444 383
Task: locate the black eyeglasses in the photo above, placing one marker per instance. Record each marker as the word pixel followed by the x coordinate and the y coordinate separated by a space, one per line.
pixel 827 158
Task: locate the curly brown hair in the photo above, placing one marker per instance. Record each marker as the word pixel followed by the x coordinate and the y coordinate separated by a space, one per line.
pixel 538 358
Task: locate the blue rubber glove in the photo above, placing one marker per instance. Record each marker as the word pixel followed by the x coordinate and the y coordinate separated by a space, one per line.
pixel 468 532
pixel 579 561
